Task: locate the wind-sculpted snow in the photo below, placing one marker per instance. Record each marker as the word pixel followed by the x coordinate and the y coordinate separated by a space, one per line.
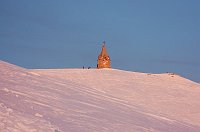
pixel 96 100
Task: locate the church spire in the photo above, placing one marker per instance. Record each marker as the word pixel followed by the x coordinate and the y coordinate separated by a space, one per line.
pixel 103 59
pixel 103 51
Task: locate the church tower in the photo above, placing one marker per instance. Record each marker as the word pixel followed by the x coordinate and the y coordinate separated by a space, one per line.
pixel 103 59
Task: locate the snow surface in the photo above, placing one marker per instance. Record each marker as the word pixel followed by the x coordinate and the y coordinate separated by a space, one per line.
pixel 61 100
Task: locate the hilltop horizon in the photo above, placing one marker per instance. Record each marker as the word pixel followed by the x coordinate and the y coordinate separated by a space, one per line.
pixel 89 67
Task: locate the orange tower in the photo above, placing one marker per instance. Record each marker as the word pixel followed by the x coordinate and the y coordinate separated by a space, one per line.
pixel 103 59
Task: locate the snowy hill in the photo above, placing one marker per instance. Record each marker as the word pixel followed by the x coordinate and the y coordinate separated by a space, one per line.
pixel 96 100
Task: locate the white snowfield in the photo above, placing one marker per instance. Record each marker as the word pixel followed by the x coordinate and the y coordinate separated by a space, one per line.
pixel 89 100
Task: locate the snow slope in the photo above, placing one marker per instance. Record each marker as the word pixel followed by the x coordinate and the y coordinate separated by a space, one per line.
pixel 96 100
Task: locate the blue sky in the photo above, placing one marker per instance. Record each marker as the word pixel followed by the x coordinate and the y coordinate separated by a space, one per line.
pixel 141 35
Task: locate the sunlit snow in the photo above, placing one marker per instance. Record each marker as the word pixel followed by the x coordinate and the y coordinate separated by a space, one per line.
pixel 84 100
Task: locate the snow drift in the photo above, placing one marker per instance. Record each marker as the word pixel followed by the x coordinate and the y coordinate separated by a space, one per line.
pixel 96 100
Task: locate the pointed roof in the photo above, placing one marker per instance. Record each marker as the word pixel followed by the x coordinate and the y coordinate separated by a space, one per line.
pixel 103 51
